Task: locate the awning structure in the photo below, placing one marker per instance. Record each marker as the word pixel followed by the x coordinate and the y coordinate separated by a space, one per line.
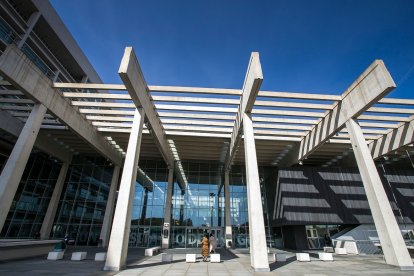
pixel 199 122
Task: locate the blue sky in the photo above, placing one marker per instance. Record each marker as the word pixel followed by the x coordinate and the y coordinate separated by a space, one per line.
pixel 317 46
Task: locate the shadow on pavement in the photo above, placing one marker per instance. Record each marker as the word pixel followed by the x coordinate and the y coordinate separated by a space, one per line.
pixel 276 265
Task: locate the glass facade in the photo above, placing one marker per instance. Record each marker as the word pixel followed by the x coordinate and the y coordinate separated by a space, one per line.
pixel 32 198
pixel 198 208
pixel 238 207
pixel 148 207
pixel 83 201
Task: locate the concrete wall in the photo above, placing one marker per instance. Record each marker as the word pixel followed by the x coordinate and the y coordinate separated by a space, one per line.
pixel 307 195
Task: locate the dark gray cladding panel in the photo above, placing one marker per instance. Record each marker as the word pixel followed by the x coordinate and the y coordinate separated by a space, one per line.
pixel 308 195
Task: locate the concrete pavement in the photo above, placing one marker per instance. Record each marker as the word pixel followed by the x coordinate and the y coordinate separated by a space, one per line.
pixel 232 263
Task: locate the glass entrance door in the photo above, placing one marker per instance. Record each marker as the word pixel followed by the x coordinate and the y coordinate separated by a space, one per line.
pixel 194 237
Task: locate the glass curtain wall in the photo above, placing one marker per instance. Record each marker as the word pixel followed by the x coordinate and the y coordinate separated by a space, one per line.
pixel 32 198
pixel 149 202
pixel 239 208
pixel 83 201
pixel 199 208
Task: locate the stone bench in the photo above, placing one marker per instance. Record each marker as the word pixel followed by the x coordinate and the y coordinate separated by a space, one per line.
pixel 100 256
pixel 153 250
pixel 78 256
pixel 280 257
pixel 303 257
pixel 350 246
pixel 166 257
pixel 55 255
pixel 214 258
pixel 328 249
pixel 325 256
pixel 190 258
pixel 277 257
pixel 341 251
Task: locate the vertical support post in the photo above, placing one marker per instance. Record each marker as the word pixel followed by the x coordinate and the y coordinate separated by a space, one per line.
pixel 144 207
pixel 167 212
pixel 229 233
pixel 258 246
pixel 53 203
pixel 392 243
pixel 109 210
pixel 182 207
pixel 118 243
pixel 14 168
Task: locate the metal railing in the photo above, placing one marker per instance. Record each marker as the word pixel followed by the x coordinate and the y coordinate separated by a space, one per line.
pixel 6 33
pixel 8 36
pixel 28 51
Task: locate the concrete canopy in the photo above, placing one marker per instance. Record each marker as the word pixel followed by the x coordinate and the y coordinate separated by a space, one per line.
pixel 200 121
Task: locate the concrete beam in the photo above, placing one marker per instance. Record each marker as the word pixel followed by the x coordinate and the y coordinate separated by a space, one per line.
pixel 372 85
pixel 131 74
pixel 14 126
pixel 251 86
pixel 97 86
pixel 16 67
pixel 399 137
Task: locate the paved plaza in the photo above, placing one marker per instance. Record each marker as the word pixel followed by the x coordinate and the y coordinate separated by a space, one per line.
pixel 232 263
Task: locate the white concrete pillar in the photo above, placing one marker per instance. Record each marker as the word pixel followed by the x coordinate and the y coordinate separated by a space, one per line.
pixel 109 210
pixel 167 213
pixel 118 242
pixel 227 203
pixel 14 168
pixel 53 203
pixel 257 234
pixel 392 243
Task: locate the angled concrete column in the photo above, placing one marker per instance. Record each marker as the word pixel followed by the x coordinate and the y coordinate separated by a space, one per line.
pixel 167 212
pixel 53 203
pixel 109 210
pixel 392 243
pixel 229 234
pixel 34 17
pixel 13 170
pixel 118 242
pixel 258 246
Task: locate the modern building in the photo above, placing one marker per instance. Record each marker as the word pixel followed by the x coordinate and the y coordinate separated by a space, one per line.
pixel 136 165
